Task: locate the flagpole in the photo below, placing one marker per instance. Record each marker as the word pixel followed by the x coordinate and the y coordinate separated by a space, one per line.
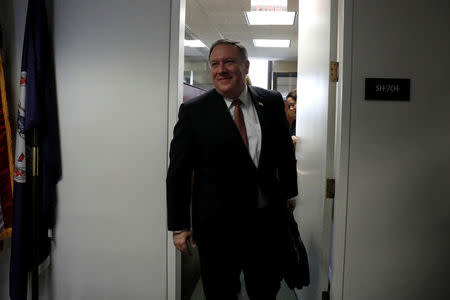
pixel 35 215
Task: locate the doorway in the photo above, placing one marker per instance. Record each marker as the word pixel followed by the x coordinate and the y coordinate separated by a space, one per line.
pixel 207 21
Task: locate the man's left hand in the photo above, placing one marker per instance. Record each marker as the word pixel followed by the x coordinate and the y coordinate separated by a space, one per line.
pixel 294 139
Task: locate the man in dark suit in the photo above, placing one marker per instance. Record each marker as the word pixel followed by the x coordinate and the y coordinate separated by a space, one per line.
pixel 232 165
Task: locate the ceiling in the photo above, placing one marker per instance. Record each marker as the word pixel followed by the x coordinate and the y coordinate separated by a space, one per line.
pixel 210 20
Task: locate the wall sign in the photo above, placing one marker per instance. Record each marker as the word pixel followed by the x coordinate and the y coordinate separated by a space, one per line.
pixel 387 89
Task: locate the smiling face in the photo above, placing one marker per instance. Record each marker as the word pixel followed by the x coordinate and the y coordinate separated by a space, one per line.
pixel 292 104
pixel 228 70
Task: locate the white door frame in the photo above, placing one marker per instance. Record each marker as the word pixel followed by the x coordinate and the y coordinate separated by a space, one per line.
pixel 176 68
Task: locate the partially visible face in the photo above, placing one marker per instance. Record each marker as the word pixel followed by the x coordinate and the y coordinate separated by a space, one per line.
pixel 292 104
pixel 228 71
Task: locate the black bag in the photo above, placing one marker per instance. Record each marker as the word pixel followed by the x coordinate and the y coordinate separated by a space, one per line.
pixel 295 261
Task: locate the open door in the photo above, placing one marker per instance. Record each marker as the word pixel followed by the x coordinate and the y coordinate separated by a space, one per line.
pixel 316 101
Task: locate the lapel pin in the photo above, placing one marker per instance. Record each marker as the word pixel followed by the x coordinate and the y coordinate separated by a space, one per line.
pixel 259 103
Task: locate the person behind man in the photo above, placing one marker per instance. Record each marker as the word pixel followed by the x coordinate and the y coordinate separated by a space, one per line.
pixel 291 99
pixel 228 146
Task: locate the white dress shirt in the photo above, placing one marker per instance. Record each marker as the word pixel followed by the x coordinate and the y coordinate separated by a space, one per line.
pixel 252 124
pixel 254 135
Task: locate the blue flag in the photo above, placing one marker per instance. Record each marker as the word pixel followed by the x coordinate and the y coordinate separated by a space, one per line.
pixel 37 110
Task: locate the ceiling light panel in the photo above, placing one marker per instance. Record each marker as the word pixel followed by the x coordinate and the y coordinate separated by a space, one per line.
pixel 271 43
pixel 270 17
pixel 194 44
pixel 269 5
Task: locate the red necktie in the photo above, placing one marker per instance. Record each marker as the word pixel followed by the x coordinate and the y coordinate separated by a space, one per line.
pixel 239 120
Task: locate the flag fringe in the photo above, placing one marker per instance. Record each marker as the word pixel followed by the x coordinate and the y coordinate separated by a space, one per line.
pixel 5 234
pixel 7 123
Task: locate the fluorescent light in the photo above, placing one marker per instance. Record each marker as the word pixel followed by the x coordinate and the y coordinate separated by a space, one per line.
pixel 270 17
pixel 272 43
pixel 194 44
pixel 269 5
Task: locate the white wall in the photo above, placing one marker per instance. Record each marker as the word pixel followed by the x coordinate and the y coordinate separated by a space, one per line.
pixel 112 64
pixel 398 214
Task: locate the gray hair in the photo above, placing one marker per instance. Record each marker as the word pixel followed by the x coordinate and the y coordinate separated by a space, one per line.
pixel 238 45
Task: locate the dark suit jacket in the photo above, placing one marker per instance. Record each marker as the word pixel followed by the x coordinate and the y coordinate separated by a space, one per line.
pixel 293 129
pixel 209 162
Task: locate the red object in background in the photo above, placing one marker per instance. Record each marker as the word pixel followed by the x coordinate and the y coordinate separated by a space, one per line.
pixel 6 158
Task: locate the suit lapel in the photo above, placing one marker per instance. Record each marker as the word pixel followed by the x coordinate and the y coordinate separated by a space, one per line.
pixel 258 102
pixel 229 131
pixel 222 115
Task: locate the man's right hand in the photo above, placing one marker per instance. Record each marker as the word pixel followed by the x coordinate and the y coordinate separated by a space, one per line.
pixel 180 240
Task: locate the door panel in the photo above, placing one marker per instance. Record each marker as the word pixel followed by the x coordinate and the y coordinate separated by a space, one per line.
pixel 315 129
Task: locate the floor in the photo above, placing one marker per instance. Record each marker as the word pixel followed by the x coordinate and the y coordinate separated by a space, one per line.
pixel 284 294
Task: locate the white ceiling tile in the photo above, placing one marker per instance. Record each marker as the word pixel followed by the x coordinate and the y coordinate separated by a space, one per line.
pixel 213 19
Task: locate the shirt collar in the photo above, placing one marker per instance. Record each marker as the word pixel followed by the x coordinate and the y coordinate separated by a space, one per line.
pixel 244 97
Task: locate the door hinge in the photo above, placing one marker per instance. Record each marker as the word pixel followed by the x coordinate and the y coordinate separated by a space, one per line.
pixel 334 71
pixel 330 188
